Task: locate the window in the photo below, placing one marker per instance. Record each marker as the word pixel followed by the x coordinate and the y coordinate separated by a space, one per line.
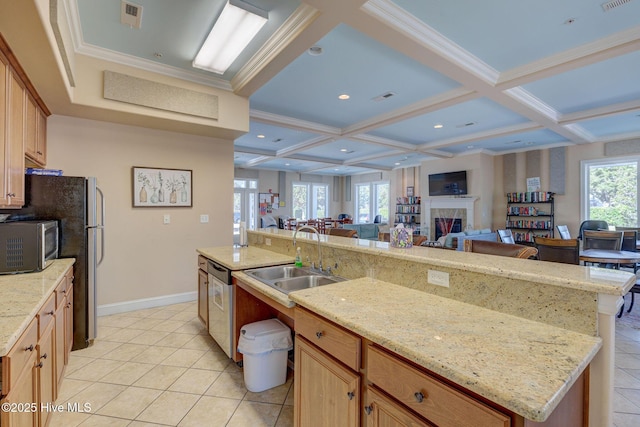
pixel 610 191
pixel 372 199
pixel 245 205
pixel 310 201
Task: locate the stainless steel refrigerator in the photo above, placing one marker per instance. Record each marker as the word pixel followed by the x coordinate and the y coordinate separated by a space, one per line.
pixel 78 205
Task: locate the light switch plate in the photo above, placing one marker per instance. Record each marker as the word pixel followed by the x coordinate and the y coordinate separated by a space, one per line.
pixel 439 278
pixel 204 218
pixel 166 219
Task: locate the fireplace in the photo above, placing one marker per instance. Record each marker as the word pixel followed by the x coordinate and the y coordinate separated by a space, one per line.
pixel 444 226
pixel 458 211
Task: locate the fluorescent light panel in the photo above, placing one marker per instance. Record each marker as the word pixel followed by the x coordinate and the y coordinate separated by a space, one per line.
pixel 237 25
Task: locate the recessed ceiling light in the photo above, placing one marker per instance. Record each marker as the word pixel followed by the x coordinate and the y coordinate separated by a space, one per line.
pixel 470 146
pixel 261 136
pixel 315 51
pixel 438 126
pixel 343 97
pixel 287 164
pixel 397 163
pixel 346 150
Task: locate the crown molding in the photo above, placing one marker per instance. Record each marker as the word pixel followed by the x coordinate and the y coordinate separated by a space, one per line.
pixel 291 123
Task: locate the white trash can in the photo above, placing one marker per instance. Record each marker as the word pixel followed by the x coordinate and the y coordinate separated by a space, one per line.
pixel 265 346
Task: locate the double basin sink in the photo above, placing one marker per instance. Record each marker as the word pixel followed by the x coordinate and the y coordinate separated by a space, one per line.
pixel 289 278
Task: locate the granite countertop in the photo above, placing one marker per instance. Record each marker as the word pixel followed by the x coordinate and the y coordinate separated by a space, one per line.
pixel 523 365
pixel 244 258
pixel 22 296
pixel 591 279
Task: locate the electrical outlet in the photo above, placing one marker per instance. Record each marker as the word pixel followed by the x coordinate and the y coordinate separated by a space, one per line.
pixel 439 278
pixel 204 218
pixel 166 219
pixel 267 241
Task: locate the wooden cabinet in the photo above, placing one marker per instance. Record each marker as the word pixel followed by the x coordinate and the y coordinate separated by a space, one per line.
pixel 326 393
pixel 203 293
pixel 13 108
pixel 35 133
pixel 32 370
pixel 23 128
pixel 382 411
pixel 427 396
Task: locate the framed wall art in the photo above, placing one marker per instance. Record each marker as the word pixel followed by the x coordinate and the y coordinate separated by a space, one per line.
pixel 157 187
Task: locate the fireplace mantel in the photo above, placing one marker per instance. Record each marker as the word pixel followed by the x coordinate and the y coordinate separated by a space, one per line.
pixel 465 204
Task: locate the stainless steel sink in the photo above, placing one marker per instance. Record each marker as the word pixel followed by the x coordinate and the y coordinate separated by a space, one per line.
pixel 288 278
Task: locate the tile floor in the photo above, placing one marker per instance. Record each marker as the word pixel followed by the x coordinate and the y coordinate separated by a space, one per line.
pixel 160 367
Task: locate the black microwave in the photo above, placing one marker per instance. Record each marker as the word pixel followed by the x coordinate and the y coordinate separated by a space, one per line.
pixel 27 246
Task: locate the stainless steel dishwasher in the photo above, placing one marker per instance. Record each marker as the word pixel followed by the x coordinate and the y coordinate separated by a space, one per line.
pixel 220 305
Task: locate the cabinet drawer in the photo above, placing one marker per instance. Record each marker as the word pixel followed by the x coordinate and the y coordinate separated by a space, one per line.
pixel 336 341
pixel 61 292
pixel 202 263
pixel 427 396
pixel 19 355
pixel 46 314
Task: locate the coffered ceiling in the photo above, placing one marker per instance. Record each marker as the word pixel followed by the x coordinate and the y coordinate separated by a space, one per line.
pixel 426 80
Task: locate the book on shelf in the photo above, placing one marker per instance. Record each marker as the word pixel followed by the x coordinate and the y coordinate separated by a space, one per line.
pixel 41 171
pixel 530 197
pixel 413 200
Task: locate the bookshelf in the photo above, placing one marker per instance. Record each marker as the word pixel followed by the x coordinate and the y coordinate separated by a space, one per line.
pixel 530 214
pixel 408 212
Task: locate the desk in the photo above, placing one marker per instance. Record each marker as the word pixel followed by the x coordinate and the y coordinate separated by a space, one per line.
pixel 609 257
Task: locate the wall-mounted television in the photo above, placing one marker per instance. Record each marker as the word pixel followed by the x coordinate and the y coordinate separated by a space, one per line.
pixel 448 183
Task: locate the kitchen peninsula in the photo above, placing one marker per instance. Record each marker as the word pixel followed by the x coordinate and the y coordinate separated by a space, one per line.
pixel 518 333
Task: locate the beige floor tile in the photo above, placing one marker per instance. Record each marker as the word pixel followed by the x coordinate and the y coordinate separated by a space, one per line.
pixel 96 396
pixel 146 323
pixel 169 408
pixel 125 352
pixel 228 384
pixel 255 414
pixel 285 419
pixel 162 314
pixel 122 335
pixel 154 354
pixel 183 357
pixel 67 419
pixel 127 373
pixel 76 362
pixel 184 316
pixel 215 360
pixel 195 381
pixel 168 326
pixel 145 424
pixel 97 349
pixel 100 421
pixel 117 321
pixel 185 306
pixel 211 412
pixel 95 370
pixel 201 342
pixel 626 420
pixel 71 387
pixel 193 327
pixel 175 340
pixel 130 403
pixel 148 337
pixel 289 400
pixel 160 377
pixel 105 331
pixel 276 395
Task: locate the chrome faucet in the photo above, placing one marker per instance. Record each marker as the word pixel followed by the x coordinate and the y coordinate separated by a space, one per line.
pixel 315 230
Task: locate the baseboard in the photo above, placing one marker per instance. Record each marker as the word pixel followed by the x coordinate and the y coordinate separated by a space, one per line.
pixel 141 304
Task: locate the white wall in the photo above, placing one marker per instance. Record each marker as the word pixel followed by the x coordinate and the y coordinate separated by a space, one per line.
pixel 145 258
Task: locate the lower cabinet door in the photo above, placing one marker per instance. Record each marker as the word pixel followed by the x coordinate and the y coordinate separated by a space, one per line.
pixel 326 393
pixel 382 411
pixel 46 374
pixel 23 393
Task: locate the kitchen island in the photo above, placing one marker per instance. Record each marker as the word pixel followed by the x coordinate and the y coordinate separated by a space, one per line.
pixel 561 305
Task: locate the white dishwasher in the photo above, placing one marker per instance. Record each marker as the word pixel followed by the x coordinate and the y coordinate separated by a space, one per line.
pixel 220 305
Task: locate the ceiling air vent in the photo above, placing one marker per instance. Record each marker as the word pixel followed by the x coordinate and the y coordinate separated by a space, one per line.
pixel 130 14
pixel 613 4
pixel 383 96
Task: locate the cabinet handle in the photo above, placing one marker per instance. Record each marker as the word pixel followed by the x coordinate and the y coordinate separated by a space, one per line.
pixel 351 395
pixel 50 313
pixel 368 409
pixel 44 356
pixel 419 396
pixel 30 348
pixel 40 365
pixel 11 194
pixel 39 152
pixel 319 334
